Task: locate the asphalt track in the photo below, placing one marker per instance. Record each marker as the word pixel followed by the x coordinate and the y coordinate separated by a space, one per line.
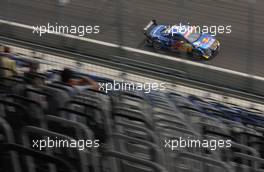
pixel 121 22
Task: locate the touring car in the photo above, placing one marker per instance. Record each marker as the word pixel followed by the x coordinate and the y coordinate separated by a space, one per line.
pixel 181 38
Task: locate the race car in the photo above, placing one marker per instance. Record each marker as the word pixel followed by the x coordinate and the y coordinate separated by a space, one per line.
pixel 181 38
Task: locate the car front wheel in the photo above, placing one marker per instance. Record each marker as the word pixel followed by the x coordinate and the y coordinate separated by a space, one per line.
pixel 196 54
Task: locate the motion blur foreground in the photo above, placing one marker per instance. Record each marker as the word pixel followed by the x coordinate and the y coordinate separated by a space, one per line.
pixel 217 100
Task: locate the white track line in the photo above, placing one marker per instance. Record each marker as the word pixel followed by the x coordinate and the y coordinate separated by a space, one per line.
pixel 139 51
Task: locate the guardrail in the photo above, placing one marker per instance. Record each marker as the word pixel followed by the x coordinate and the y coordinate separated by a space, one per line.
pixel 190 73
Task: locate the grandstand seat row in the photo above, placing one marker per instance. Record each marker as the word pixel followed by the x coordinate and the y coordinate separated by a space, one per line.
pixel 131 127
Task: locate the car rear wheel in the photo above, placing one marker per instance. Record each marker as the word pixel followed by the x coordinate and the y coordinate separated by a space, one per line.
pixel 156 45
pixel 148 42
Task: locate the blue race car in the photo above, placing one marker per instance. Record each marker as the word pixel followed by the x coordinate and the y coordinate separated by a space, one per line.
pixel 181 38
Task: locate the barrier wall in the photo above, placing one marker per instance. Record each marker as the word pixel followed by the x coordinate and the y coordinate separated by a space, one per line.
pixel 118 58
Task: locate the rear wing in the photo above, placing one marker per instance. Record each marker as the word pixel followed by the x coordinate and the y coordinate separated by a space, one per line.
pixel 149 26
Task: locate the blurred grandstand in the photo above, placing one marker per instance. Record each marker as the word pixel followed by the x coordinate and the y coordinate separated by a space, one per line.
pixel 131 125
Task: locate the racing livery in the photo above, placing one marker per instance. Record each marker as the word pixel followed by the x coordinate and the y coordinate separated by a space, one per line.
pixel 182 38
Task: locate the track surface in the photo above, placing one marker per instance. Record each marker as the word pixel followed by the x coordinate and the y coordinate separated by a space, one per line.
pixel 121 22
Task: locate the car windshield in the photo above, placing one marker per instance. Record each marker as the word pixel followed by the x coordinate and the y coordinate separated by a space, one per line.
pixel 192 36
